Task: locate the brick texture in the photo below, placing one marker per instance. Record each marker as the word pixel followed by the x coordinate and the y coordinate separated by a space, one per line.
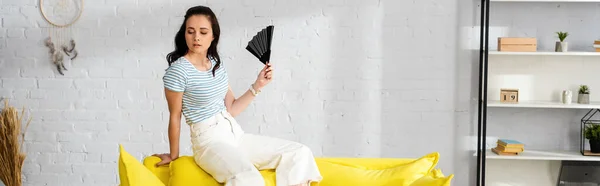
pixel 352 78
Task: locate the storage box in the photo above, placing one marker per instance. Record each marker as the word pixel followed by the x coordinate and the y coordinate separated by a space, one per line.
pixel 517 44
pixel 574 172
pixel 509 95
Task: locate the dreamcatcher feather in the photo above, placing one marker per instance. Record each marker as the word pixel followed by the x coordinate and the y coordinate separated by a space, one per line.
pixel 60 15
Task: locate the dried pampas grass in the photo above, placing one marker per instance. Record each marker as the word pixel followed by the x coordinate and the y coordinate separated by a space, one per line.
pixel 11 141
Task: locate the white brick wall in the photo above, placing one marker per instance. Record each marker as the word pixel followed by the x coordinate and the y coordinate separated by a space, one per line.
pixel 353 78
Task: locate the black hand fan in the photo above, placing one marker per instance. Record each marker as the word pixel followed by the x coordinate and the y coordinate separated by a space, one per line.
pixel 260 45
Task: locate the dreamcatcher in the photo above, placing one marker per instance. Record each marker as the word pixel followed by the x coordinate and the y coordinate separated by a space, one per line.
pixel 61 14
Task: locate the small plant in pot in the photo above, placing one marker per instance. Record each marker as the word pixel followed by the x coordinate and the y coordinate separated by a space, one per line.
pixel 562 45
pixel 592 133
pixel 584 95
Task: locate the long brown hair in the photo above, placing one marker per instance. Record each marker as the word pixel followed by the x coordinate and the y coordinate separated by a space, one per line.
pixel 181 47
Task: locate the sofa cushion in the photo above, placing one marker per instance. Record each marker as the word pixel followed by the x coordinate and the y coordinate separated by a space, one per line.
pixel 184 171
pixel 133 173
pixel 401 173
pixel 435 178
pixel 335 170
pixel 368 163
pixel 162 172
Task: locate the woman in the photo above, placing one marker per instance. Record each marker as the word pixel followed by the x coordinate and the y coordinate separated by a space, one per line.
pixel 196 84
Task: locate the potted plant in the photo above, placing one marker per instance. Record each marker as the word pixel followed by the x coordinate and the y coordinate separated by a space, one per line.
pixel 562 45
pixel 592 133
pixel 584 95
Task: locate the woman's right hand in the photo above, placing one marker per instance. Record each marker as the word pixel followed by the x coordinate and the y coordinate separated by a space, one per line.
pixel 264 77
pixel 165 159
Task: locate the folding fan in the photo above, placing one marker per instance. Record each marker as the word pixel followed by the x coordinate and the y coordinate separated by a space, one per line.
pixel 260 45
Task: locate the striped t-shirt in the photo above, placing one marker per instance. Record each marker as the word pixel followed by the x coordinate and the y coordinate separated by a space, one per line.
pixel 203 94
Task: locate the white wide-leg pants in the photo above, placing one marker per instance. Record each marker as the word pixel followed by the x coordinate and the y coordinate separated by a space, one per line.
pixel 233 157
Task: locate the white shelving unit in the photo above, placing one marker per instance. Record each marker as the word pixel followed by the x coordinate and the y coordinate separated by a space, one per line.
pixel 544 104
pixel 533 73
pixel 549 1
pixel 544 155
pixel 544 53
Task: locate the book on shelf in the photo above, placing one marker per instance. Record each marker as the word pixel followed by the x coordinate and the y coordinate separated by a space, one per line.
pixel 508 147
pixel 510 143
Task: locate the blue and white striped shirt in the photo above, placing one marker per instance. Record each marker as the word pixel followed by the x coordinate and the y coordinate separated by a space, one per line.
pixel 203 94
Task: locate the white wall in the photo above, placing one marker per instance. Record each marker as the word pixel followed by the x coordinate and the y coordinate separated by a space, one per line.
pixel 353 78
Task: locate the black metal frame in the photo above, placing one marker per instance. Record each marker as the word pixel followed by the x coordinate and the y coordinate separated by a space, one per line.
pixel 483 78
pixel 585 120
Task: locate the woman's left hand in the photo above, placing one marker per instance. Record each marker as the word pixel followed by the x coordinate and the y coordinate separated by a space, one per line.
pixel 164 159
pixel 264 77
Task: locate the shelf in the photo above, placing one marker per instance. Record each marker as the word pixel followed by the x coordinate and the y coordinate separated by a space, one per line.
pixel 545 53
pixel 544 104
pixel 549 1
pixel 543 155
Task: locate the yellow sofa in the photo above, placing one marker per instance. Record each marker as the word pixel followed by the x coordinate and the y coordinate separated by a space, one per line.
pixel 335 171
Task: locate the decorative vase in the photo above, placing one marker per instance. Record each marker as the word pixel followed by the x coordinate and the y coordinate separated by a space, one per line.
pixel 561 46
pixel 583 99
pixel 567 97
pixel 595 146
